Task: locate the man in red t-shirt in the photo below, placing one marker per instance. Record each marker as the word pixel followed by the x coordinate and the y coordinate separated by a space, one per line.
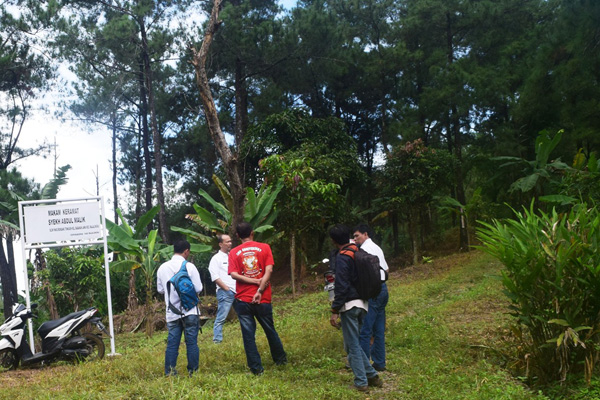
pixel 251 265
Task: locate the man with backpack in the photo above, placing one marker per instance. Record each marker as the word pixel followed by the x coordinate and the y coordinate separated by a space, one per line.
pixel 348 305
pixel 180 283
pixel 374 323
pixel 251 265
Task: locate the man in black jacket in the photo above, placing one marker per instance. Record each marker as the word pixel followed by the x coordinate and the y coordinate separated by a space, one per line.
pixel 351 308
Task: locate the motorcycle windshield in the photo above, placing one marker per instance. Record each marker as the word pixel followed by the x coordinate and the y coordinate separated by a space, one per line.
pixel 17 308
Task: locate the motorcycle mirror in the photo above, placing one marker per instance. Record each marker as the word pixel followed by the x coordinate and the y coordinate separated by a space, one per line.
pixel 34 306
pixel 325 260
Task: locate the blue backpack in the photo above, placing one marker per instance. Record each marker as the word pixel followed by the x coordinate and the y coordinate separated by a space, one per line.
pixel 185 289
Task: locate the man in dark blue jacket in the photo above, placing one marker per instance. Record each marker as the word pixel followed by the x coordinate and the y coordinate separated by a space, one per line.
pixel 352 309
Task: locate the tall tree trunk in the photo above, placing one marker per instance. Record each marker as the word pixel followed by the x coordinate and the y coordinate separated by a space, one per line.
pixel 454 131
pixel 230 160
pixel 10 252
pixel 413 231
pixel 40 265
pixel 162 217
pixel 241 104
pixel 303 248
pixel 114 167
pixel 145 143
pixel 293 262
pixel 138 176
pixel 9 284
pixel 132 298
pixel 395 232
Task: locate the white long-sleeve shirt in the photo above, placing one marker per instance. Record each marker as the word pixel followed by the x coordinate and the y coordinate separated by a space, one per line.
pixel 370 247
pixel 166 272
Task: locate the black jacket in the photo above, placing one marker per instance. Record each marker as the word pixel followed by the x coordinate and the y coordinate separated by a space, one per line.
pixel 345 277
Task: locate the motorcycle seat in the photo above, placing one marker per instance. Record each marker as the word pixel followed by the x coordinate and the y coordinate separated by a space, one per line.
pixel 48 326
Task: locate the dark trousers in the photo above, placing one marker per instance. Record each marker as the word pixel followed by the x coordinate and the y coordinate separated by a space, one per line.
pixel 248 314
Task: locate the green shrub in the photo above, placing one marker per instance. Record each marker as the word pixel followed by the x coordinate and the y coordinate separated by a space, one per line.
pixel 552 278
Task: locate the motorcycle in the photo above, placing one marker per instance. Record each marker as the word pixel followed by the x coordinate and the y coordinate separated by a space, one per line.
pixel 329 281
pixel 61 339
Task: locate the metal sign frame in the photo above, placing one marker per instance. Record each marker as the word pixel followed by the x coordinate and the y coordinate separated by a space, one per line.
pixel 25 246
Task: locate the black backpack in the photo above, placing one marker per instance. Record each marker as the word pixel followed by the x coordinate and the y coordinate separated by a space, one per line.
pixel 368 283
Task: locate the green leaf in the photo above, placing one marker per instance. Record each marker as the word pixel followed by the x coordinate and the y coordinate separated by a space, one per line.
pixel 124 223
pixel 144 221
pixel 220 208
pixel 205 219
pixel 200 248
pixel 193 234
pixel 10 225
pixel 558 198
pixel 560 322
pixel 263 228
pixel 152 242
pixel 50 190
pixel 525 184
pixel 119 238
pixel 225 193
pixel 124 265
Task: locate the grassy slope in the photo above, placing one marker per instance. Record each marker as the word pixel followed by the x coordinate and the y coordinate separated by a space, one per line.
pixel 441 318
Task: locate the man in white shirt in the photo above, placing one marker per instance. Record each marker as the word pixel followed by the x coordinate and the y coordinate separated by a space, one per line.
pixel 189 322
pixel 218 268
pixel 374 323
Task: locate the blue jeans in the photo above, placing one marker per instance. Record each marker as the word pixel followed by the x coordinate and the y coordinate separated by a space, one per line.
pixel 248 314
pixel 224 301
pixel 189 327
pixel 361 366
pixel 374 326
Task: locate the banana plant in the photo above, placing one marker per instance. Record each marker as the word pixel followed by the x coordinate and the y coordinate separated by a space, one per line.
pixel 258 211
pixel 539 170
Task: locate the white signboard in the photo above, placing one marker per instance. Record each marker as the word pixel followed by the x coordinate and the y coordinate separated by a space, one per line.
pixel 61 222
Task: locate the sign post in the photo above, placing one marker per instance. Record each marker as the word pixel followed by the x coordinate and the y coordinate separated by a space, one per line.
pixel 64 223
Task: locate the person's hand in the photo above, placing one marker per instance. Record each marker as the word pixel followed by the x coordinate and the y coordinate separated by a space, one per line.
pixel 334 321
pixel 256 298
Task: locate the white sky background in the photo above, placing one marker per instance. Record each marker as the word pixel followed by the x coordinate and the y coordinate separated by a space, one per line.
pixel 87 151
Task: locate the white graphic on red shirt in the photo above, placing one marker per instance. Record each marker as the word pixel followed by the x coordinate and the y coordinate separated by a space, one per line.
pixel 250 263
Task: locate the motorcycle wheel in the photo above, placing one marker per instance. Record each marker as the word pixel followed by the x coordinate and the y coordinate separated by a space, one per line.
pixel 9 359
pixel 95 347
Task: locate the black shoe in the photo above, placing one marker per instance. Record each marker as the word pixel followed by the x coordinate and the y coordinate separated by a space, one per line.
pixel 380 369
pixel 363 389
pixel 375 381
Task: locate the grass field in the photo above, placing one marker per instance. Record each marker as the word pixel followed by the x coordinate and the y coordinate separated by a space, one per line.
pixel 446 324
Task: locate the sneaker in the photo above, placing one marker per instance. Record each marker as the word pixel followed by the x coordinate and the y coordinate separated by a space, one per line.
pixel 363 389
pixel 375 381
pixel 258 373
pixel 380 369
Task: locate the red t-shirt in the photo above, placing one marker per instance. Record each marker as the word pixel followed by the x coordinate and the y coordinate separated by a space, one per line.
pixel 250 259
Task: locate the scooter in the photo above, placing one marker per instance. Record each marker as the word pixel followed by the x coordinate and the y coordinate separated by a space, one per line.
pixel 329 281
pixel 61 339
